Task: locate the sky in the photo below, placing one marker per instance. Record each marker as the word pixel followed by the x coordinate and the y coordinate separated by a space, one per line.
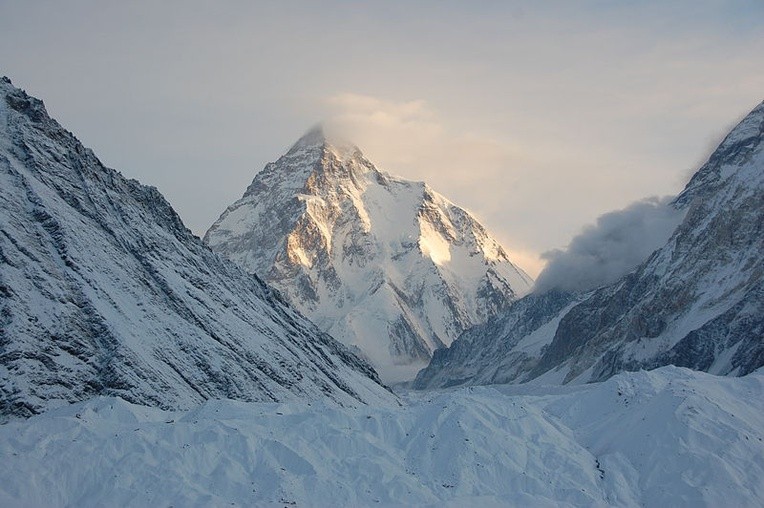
pixel 538 117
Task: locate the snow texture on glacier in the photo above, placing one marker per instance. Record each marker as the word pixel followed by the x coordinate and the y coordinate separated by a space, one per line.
pixel 669 437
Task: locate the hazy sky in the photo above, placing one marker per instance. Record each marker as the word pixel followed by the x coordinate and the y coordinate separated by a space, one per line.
pixel 537 116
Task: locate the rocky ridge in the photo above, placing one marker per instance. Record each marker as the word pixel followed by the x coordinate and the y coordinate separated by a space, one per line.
pixel 103 291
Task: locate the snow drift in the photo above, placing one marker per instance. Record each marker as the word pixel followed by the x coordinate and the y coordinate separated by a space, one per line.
pixel 670 437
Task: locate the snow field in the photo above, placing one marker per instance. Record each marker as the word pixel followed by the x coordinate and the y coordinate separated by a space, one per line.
pixel 671 437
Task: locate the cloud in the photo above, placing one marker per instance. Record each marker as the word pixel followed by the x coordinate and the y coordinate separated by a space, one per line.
pixel 614 246
pixel 392 133
pixel 354 108
pixel 408 137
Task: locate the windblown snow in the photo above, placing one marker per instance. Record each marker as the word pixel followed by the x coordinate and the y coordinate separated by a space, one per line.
pixel 670 437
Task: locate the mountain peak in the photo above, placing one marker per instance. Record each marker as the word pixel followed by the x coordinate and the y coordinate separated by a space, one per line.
pixel 18 100
pixel 315 136
pixel 748 132
pixel 386 265
pixel 730 160
pixel 696 302
pixel 320 137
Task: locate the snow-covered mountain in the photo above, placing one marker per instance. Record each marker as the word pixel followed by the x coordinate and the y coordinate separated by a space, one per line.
pixel 103 291
pixel 383 264
pixel 697 302
pixel 502 350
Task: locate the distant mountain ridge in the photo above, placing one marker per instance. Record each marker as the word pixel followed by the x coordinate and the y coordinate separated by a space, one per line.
pixel 103 291
pixel 697 302
pixel 383 264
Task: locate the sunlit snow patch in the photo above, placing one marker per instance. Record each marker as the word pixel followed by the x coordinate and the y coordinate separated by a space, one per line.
pixel 433 244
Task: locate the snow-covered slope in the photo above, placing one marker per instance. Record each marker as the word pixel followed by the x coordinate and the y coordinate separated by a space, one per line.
pixel 670 437
pixel 380 263
pixel 104 291
pixel 501 350
pixel 696 302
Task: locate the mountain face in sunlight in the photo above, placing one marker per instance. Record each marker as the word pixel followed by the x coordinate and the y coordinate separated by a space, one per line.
pixel 383 264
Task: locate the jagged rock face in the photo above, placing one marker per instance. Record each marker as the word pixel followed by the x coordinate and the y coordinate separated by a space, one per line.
pixel 697 302
pixel 383 264
pixel 103 291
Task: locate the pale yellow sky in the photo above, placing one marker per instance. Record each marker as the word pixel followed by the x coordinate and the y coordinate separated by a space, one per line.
pixel 536 116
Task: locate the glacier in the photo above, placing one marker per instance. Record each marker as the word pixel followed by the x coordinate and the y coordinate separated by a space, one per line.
pixel 669 437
